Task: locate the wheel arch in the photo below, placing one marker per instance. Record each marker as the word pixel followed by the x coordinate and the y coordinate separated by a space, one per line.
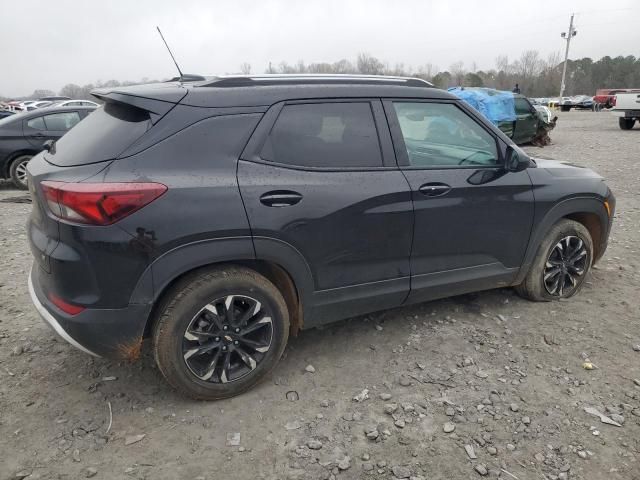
pixel 10 159
pixel 588 211
pixel 286 273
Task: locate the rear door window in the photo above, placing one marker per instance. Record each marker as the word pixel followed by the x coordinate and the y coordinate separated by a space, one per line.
pixel 325 135
pixel 36 123
pixel 61 122
pixel 523 107
pixel 102 135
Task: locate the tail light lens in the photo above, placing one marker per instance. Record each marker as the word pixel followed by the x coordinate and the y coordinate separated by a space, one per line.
pixel 98 203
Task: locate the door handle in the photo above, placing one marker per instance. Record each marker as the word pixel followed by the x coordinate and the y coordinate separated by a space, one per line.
pixel 280 198
pixel 434 189
pixel 38 135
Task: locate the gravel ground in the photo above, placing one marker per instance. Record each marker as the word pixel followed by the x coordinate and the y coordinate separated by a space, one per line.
pixel 482 384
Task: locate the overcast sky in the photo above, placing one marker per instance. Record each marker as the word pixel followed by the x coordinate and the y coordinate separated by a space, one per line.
pixel 47 44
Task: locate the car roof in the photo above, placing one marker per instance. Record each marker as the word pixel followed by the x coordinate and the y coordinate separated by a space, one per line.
pixel 261 90
pixel 52 109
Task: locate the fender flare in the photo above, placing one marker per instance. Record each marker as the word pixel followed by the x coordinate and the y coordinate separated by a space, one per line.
pixel 561 210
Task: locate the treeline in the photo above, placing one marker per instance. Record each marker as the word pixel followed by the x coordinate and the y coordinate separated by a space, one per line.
pixel 536 76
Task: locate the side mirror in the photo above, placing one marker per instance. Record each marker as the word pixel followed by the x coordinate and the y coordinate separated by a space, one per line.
pixel 517 161
pixel 49 146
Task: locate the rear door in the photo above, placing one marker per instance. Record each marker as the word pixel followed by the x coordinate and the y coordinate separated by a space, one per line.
pixel 526 124
pixel 52 126
pixel 472 217
pixel 320 177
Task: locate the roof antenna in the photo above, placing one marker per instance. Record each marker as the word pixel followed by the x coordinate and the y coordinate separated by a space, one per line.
pixel 172 57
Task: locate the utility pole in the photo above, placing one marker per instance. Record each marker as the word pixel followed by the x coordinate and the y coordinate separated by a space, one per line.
pixel 567 37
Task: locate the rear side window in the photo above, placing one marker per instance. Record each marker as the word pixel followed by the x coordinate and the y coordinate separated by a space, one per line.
pixel 36 123
pixel 329 135
pixel 102 135
pixel 62 121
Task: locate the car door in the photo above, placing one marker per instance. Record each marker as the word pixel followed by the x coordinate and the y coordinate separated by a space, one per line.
pixel 319 181
pixel 52 126
pixel 526 124
pixel 472 217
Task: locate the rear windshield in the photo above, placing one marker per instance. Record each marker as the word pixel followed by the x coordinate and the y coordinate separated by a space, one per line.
pixel 103 135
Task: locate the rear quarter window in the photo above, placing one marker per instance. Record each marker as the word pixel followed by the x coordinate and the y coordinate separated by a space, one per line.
pixel 102 135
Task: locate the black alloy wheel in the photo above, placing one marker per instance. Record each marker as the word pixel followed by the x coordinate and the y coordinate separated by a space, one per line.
pixel 227 339
pixel 565 266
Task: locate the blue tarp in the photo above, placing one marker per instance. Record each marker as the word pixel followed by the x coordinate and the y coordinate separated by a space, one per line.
pixel 496 105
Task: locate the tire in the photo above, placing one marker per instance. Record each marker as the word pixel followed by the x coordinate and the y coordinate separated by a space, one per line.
pixel 626 123
pixel 18 171
pixel 534 286
pixel 564 108
pixel 192 318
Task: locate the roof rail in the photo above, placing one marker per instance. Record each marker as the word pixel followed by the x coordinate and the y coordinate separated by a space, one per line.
pixel 311 78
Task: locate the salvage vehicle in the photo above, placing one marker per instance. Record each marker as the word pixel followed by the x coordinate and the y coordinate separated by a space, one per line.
pixel 513 113
pixel 627 109
pixel 24 135
pixel 218 217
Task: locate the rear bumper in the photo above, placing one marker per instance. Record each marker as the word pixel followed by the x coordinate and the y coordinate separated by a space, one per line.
pixel 112 333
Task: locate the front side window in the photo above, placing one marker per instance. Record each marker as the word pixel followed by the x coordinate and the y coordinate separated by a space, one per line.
pixel 329 135
pixel 442 135
pixel 523 107
pixel 61 121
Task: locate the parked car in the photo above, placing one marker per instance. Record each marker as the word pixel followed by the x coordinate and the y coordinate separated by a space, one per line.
pixel 6 113
pixel 525 128
pixel 39 104
pixel 627 109
pixel 22 136
pixel 580 102
pixel 54 98
pixel 220 216
pixel 77 103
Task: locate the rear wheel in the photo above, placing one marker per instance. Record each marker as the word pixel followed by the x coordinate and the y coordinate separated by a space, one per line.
pixel 220 332
pixel 561 264
pixel 18 171
pixel 565 108
pixel 626 123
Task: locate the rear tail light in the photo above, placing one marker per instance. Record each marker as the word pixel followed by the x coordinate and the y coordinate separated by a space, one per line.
pixel 65 306
pixel 98 203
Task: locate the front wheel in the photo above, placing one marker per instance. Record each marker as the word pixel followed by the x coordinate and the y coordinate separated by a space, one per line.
pixel 18 171
pixel 220 332
pixel 561 263
pixel 626 123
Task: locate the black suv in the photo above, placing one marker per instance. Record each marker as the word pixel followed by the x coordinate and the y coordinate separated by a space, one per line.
pixel 220 216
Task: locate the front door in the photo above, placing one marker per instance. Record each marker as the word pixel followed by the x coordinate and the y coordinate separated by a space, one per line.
pixel 526 125
pixel 319 178
pixel 472 217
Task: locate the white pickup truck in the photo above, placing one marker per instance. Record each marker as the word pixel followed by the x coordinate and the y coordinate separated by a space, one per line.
pixel 627 109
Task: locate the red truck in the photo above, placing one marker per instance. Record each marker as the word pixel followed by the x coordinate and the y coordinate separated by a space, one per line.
pixel 606 97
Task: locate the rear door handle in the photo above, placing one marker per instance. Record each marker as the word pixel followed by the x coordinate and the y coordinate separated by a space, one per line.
pixel 434 189
pixel 280 198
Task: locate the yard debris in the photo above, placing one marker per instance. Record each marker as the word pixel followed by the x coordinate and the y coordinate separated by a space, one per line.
pixel 293 425
pixel 109 379
pixel 310 369
pixel 233 439
pixel 588 366
pixel 603 417
pixel 481 469
pixel 131 439
pixel 470 452
pixel 110 419
pixel 362 396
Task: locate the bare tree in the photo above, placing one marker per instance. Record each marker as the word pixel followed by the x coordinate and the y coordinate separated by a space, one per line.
pixel 245 68
pixel 457 72
pixel 369 65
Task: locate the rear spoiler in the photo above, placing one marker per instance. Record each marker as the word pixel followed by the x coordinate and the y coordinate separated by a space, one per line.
pixel 154 99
